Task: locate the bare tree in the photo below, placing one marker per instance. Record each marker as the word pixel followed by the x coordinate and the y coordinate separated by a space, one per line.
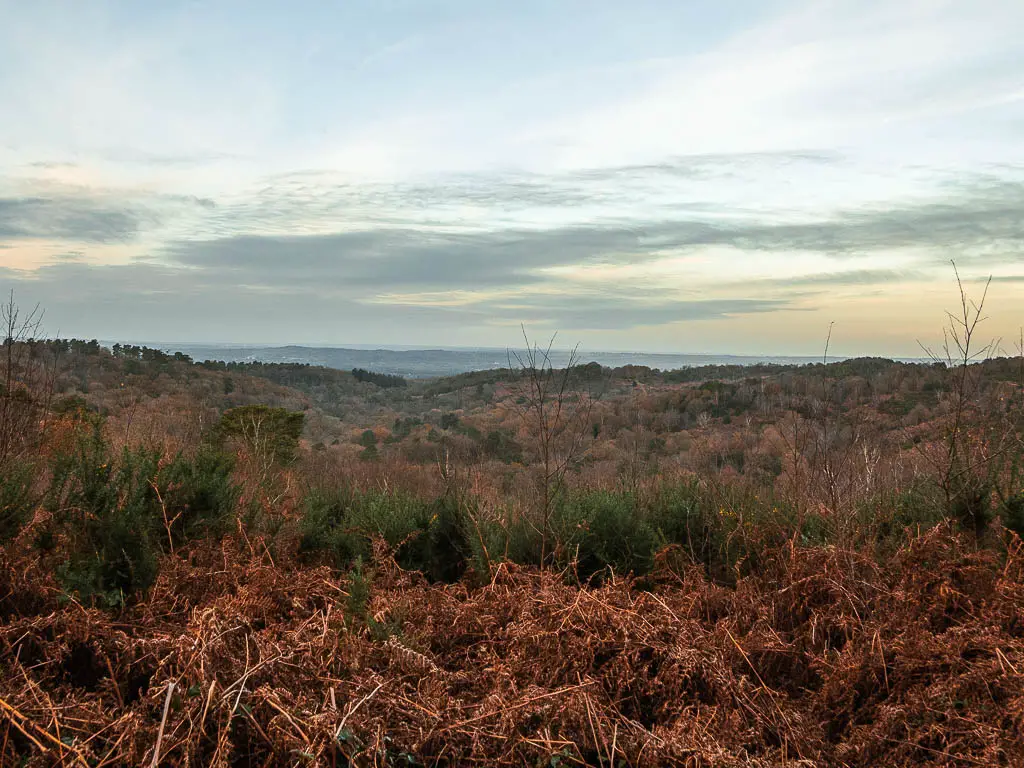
pixel 836 444
pixel 961 470
pixel 555 405
pixel 26 380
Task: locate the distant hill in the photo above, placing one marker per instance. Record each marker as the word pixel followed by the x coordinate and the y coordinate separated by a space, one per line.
pixel 426 363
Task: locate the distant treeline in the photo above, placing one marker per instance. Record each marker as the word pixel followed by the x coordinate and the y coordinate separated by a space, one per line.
pixel 93 347
pixel 64 346
pixel 147 354
pixel 386 380
pixel 297 374
pixel 291 374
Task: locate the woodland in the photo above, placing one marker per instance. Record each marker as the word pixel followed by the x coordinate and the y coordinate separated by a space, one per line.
pixel 245 564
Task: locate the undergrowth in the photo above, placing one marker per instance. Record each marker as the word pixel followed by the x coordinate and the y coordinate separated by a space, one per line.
pixel 112 515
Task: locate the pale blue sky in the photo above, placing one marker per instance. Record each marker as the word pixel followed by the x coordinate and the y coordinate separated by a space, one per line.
pixel 669 176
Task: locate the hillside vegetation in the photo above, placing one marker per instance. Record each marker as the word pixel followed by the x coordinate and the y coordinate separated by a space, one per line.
pixel 209 563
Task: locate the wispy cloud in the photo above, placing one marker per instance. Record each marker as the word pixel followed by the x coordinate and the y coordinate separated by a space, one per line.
pixel 71 219
pixel 847 278
pixel 617 312
pixel 978 217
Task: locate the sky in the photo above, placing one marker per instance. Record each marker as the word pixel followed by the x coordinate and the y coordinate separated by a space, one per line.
pixel 652 175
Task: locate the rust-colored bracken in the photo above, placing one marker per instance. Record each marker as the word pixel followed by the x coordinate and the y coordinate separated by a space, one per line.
pixel 826 658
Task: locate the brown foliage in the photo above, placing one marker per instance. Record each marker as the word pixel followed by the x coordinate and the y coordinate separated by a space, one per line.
pixel 826 658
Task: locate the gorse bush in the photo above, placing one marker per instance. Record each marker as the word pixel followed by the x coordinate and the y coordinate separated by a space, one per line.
pixel 441 547
pixel 708 526
pixel 883 520
pixel 326 530
pixel 16 501
pixel 198 496
pixel 970 504
pixel 115 514
pixel 1012 513
pixel 339 524
pixel 727 530
pixel 621 532
pixel 105 509
pixel 600 530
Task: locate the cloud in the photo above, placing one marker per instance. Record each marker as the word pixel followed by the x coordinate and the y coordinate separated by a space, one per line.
pixel 618 313
pixel 52 164
pixel 146 301
pixel 978 215
pixel 598 272
pixel 386 259
pixel 69 256
pixel 291 201
pixel 978 218
pixel 128 156
pixel 47 210
pixel 76 219
pixel 707 166
pixel 168 303
pixel 853 277
pixel 486 228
